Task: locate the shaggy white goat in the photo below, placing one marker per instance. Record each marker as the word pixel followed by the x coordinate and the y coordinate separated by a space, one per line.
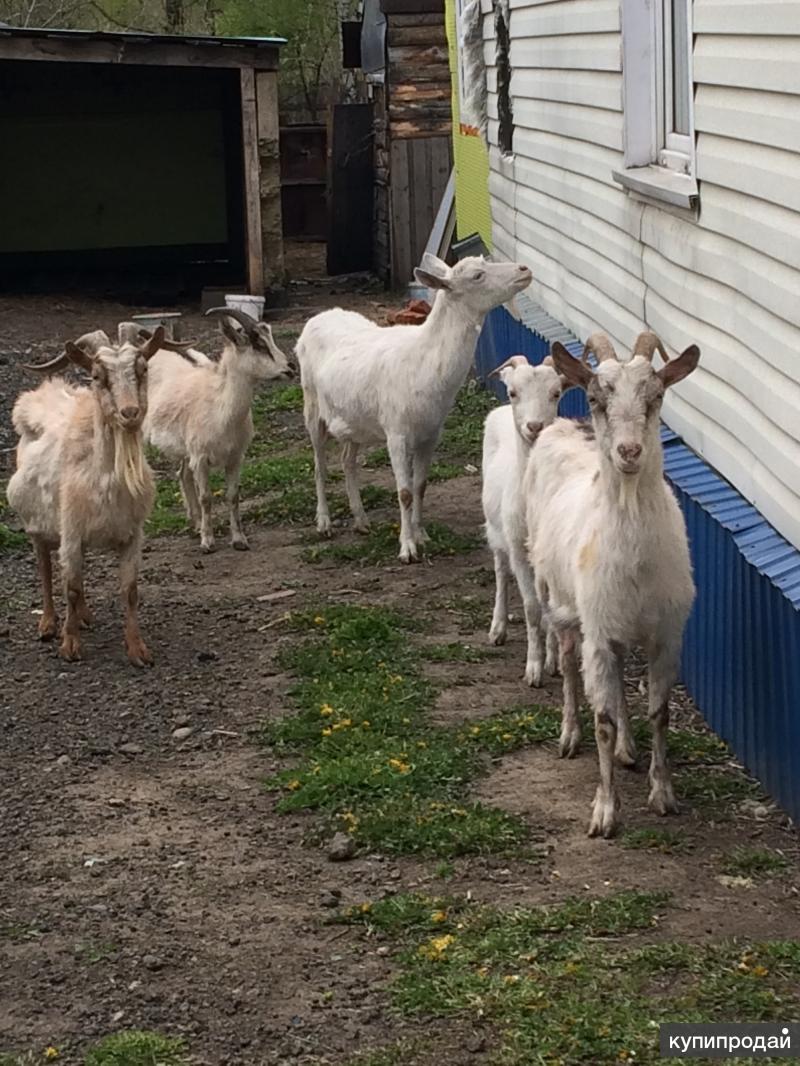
pixel 364 383
pixel 82 480
pixel 199 413
pixel 608 546
pixel 509 434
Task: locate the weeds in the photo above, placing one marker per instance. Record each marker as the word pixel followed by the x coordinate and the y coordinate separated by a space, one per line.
pixel 137 1048
pixel 754 862
pixel 560 984
pixel 380 545
pixel 11 540
pixel 455 653
pixel 514 729
pixel 370 761
pixel 667 841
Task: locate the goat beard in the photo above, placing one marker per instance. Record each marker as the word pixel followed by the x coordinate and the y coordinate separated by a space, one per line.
pixel 629 494
pixel 130 467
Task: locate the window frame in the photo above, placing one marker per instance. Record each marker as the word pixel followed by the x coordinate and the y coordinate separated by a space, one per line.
pixel 659 162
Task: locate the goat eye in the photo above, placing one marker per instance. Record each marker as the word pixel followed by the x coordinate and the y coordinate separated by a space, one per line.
pixel 512 394
pixel 478 275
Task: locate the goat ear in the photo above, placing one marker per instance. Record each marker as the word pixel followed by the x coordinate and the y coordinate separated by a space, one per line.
pixel 235 335
pixel 571 370
pixel 78 356
pixel 154 343
pixel 431 281
pixel 677 369
pixel 434 265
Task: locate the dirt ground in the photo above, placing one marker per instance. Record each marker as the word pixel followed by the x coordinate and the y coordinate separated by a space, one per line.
pixel 147 879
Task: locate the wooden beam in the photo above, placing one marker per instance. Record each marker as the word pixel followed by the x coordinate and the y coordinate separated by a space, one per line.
pixel 252 198
pixel 270 177
pixel 137 53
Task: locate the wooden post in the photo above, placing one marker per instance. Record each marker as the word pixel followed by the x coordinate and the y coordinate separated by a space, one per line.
pixel 252 199
pixel 270 176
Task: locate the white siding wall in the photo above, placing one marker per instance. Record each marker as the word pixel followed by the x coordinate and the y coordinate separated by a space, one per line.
pixel 729 281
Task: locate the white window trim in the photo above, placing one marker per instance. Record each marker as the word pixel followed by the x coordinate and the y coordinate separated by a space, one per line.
pixel 659 163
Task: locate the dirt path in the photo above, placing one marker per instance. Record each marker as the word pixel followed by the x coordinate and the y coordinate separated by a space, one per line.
pixel 149 882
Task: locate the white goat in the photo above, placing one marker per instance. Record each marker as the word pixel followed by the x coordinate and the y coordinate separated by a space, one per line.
pixel 82 480
pixel 509 434
pixel 608 546
pixel 364 383
pixel 200 413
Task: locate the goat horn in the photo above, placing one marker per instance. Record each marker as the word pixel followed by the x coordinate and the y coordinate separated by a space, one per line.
pixel 600 346
pixel 61 362
pixel 129 333
pixel 181 347
pixel 515 360
pixel 646 344
pixel 247 323
pixel 91 342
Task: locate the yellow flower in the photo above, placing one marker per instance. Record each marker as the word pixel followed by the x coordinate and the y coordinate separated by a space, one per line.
pixel 293 785
pixel 421 744
pixel 439 916
pixel 327 732
pixel 319 620
pixel 760 971
pixel 365 724
pixel 345 722
pixel 326 709
pixel 398 764
pixel 51 1053
pixel 458 811
pixel 511 979
pixel 406 721
pixel 365 908
pixel 475 730
pixel 507 736
pixel 435 948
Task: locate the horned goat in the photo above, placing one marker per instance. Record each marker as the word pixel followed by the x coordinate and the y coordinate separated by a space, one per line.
pixel 609 549
pixel 82 480
pixel 509 434
pixel 364 384
pixel 200 413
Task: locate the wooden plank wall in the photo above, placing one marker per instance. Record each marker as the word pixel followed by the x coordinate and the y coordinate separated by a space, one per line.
pixel 420 167
pixel 382 246
pixel 418 127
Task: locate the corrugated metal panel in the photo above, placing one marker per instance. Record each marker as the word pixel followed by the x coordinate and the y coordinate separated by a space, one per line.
pixel 741 660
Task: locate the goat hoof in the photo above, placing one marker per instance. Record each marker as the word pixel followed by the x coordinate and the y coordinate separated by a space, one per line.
pixel 568 745
pixel 361 525
pixel 604 816
pixel 533 676
pixel 47 628
pixel 551 668
pixel 70 649
pixel 625 755
pixel 240 545
pixel 209 548
pixel 324 526
pixel 497 636
pixel 662 800
pixel 408 555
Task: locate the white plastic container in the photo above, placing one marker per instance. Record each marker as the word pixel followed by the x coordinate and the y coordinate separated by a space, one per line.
pixel 170 320
pixel 251 305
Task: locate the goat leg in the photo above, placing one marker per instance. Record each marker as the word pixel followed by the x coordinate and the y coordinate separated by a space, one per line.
pixel 499 626
pixel 350 468
pixel 201 478
pixel 663 669
pixel 44 562
pixel 71 555
pixel 400 455
pixel 570 739
pixel 604 686
pixel 138 652
pixel 238 539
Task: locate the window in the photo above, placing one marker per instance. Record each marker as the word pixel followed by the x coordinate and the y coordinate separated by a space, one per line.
pixel 658 100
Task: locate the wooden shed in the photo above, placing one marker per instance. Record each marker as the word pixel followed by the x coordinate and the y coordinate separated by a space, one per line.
pixel 140 152
pixel 413 133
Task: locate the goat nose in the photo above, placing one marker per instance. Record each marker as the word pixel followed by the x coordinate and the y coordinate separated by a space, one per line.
pixel 629 452
pixel 534 428
pixel 129 413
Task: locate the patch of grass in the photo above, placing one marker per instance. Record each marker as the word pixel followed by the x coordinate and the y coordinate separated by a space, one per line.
pixel 446 472
pixel 168 514
pixel 687 748
pixel 472 611
pixel 24 1058
pixel 137 1048
pixel 754 862
pixel 667 841
pixel 377 458
pixel 381 545
pixel 370 761
pixel 560 984
pixel 278 472
pixel 399 1054
pixel 92 953
pixel 514 729
pixel 455 653
pixel 19 931
pixel 11 540
pixel 462 439
pixel 274 398
pixel 712 789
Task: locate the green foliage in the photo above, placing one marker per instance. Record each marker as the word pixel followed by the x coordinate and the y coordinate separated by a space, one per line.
pixel 137 1048
pixel 754 862
pixel 514 729
pixel 559 983
pixel 455 653
pixel 168 514
pixel 11 540
pixel 380 545
pixel 369 760
pixel 667 841
pixel 462 439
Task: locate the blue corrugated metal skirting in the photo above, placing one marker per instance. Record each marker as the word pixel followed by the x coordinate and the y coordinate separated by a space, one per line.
pixel 741 655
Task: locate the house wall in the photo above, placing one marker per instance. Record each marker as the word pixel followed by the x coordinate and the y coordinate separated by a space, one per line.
pixel 728 279
pixel 470 156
